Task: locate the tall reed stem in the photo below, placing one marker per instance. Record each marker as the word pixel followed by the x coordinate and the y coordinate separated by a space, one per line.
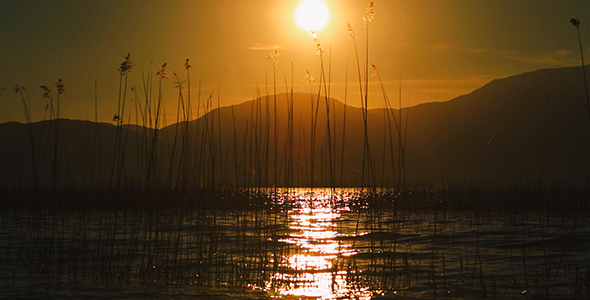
pixel 576 23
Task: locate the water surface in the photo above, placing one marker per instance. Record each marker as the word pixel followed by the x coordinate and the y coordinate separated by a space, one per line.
pixel 311 244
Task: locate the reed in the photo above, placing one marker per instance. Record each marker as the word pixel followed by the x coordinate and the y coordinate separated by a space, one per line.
pixel 180 108
pixel 187 134
pixel 309 79
pixel 118 158
pixel 342 147
pixel 153 165
pixel 576 23
pixel 222 168
pixel 367 158
pixel 274 60
pixel 326 84
pixel 367 161
pixel 34 155
pixel 60 90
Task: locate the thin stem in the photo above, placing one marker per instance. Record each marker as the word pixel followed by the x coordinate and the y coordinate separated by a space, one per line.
pixel 584 72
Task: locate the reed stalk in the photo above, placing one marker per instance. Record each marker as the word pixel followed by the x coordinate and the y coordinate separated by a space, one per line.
pixel 401 144
pixel 367 18
pixel 27 113
pixel 60 90
pixel 152 180
pixel 576 23
pixel 274 59
pixel 187 142
pixel 172 182
pixel 97 145
pixel 327 103
pixel 310 80
pixel 117 166
pixel 344 126
pixel 220 142
pixel 235 144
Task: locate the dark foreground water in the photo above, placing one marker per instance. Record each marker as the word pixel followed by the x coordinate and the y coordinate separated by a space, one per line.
pixel 309 245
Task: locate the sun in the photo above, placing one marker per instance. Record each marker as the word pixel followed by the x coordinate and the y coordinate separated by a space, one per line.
pixel 312 15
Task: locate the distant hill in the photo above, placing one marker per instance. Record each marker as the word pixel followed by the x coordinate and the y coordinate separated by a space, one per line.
pixel 519 130
pixel 527 130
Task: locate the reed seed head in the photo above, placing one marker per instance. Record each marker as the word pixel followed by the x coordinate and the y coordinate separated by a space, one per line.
pixel 351 33
pixel 46 91
pixel 308 79
pixel 575 22
pixel 177 82
pixel 162 72
pixel 318 46
pixel 375 71
pixel 126 65
pixel 19 88
pixel 273 58
pixel 313 34
pixel 369 14
pixel 60 87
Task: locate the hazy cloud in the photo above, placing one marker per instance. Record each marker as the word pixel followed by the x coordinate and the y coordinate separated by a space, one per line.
pixel 447 47
pixel 559 57
pixel 465 80
pixel 259 46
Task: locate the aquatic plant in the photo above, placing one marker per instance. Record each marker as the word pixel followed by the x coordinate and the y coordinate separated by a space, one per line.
pixel 119 152
pixel 27 113
pixel 576 23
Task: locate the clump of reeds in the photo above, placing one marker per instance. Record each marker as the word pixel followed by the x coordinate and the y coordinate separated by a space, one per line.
pixel 54 116
pixel 367 161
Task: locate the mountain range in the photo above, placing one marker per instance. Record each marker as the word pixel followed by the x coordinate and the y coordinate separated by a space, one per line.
pixel 527 130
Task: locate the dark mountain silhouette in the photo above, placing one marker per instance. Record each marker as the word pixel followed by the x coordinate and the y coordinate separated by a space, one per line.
pixel 526 130
pixel 521 130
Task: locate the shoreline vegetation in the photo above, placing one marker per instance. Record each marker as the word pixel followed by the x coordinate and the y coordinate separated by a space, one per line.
pixel 265 144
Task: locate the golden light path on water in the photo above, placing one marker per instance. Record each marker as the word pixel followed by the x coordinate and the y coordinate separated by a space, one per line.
pixel 315 270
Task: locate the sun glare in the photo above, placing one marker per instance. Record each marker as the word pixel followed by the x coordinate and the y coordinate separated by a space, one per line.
pixel 312 15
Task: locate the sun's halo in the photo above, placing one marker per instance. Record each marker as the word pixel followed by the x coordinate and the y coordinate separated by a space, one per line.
pixel 312 15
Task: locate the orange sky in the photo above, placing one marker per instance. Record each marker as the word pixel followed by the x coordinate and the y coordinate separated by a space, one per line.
pixel 442 48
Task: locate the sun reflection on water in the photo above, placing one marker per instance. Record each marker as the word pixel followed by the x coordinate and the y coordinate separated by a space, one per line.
pixel 316 269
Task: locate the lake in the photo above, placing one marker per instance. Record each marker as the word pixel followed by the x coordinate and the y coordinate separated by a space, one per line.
pixel 305 244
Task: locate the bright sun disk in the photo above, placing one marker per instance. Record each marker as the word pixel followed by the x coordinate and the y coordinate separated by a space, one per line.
pixel 312 15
